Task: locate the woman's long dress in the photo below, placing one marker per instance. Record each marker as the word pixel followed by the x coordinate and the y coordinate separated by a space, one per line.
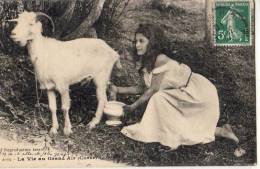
pixel 184 111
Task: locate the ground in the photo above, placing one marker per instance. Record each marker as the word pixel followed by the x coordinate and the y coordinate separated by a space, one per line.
pixel 231 69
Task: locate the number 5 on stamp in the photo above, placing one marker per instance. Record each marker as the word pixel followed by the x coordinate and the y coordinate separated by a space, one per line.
pixel 232 23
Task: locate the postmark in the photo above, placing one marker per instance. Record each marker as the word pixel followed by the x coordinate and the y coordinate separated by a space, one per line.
pixel 232 23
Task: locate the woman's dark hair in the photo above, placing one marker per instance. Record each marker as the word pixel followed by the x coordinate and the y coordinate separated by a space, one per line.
pixel 158 44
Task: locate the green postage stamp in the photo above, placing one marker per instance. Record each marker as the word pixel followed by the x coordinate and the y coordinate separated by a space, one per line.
pixel 232 23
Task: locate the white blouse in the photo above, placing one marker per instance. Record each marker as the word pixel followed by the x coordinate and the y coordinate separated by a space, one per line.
pixel 175 75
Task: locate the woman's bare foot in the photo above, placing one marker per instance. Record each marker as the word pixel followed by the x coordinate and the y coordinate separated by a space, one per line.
pixel 227 132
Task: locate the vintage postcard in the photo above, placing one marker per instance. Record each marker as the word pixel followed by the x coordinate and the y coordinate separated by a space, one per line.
pixel 124 83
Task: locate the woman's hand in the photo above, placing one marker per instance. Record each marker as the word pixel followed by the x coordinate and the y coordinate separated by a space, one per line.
pixel 112 91
pixel 128 109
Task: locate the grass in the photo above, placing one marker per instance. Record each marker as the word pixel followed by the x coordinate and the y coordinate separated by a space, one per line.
pixel 231 69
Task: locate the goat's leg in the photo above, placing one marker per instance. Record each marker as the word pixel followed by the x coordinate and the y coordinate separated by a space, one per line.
pixel 65 101
pixel 53 108
pixel 102 99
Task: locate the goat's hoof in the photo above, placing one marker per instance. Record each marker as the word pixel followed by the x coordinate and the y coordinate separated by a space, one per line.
pixel 67 131
pixel 91 125
pixel 53 131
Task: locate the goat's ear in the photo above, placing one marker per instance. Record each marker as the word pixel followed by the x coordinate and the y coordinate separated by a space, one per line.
pixel 46 27
pixel 37 27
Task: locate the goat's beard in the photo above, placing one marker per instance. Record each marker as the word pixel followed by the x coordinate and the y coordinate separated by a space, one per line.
pixel 20 40
pixel 21 43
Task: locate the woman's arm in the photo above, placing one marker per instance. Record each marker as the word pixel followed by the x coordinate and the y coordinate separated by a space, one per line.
pixel 155 85
pixel 114 90
pixel 130 90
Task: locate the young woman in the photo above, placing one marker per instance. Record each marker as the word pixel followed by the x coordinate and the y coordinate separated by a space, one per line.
pixel 183 106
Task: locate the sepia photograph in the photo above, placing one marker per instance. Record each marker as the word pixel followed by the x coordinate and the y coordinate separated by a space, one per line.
pixel 127 83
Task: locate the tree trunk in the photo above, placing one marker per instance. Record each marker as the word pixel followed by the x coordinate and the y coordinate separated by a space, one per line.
pixel 65 23
pixel 86 26
pixel 209 36
pixel 62 22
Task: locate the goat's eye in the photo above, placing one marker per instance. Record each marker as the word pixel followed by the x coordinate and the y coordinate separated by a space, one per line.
pixel 30 24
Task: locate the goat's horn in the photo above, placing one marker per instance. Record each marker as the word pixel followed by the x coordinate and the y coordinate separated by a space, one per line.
pixel 11 20
pixel 47 16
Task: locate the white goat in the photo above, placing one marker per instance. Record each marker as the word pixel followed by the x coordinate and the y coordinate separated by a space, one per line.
pixel 59 64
